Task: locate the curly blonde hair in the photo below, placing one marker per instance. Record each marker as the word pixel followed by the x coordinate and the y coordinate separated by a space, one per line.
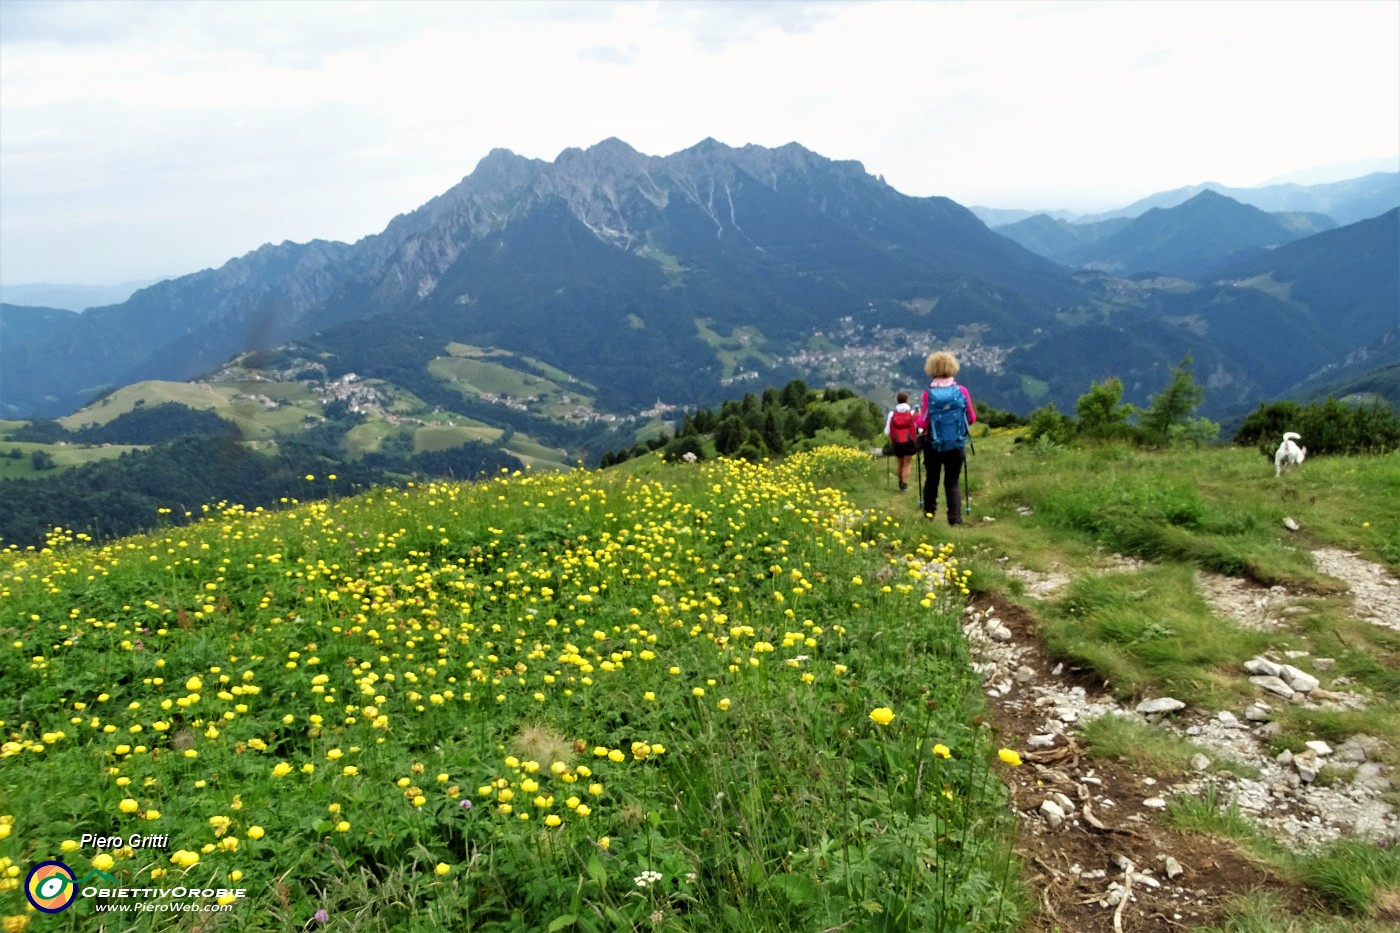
pixel 941 365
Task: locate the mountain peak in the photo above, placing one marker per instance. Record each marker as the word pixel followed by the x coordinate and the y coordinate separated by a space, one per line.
pixel 503 170
pixel 1213 202
pixel 613 147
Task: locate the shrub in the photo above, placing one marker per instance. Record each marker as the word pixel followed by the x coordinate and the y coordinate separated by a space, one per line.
pixel 1328 427
pixel 1047 422
pixel 1173 405
pixel 1101 413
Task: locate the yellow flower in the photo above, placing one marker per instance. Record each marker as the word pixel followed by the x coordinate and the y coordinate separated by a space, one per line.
pixel 605 842
pixel 442 868
pixel 129 806
pixel 882 715
pixel 256 832
pixel 942 751
pixel 723 704
pixel 103 862
pixel 69 845
pixel 281 769
pixel 15 923
pixel 552 820
pixel 1010 757
pixel 342 827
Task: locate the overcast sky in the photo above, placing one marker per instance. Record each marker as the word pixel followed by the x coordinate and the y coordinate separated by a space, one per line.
pixel 150 139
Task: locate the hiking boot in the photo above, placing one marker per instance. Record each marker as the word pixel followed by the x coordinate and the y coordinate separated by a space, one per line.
pixel 903 486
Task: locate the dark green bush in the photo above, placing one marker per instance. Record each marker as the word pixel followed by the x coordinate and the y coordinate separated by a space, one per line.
pixel 1329 427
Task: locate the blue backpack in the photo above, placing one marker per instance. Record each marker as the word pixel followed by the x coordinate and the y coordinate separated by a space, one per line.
pixel 945 407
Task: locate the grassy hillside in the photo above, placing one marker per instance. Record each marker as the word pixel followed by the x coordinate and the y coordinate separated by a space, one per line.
pixel 267 410
pixel 598 701
pixel 719 696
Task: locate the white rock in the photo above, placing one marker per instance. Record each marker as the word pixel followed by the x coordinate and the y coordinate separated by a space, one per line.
pixel 1301 681
pixel 1263 666
pixel 1174 869
pixel 1290 524
pixel 1319 746
pixel 1041 741
pixel 1324 664
pixel 1273 685
pixel 1199 762
pixel 1155 803
pixel 1358 748
pixel 1258 712
pixel 1160 705
pixel 1371 777
pixel 1024 674
pixel 1227 717
pixel 1054 816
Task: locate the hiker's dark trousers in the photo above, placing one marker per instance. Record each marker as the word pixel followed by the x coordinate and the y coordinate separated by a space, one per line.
pixel 950 464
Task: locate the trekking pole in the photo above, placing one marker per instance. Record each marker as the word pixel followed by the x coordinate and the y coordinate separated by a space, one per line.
pixel 967 472
pixel 919 474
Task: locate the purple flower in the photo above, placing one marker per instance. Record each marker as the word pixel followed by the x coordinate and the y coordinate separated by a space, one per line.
pixel 321 916
pixel 465 805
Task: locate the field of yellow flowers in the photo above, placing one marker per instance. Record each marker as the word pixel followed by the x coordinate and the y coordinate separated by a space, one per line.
pixel 719 698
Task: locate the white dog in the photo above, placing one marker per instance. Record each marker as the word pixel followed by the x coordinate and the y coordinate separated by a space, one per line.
pixel 1289 454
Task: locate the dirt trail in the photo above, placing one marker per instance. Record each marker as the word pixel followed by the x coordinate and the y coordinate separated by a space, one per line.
pixel 1095 839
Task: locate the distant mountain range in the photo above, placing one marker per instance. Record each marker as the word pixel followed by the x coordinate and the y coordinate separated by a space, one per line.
pixel 1344 201
pixel 1191 240
pixel 69 297
pixel 562 298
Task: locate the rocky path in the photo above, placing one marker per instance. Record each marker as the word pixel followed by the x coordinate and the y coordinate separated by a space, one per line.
pixel 1097 846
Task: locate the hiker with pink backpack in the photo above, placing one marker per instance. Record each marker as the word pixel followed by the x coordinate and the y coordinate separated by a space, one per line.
pixel 902 426
pixel 944 419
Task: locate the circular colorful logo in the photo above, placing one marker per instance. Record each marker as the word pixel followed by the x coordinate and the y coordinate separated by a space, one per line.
pixel 51 887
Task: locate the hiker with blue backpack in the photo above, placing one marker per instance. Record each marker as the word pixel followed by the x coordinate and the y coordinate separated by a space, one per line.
pixel 944 420
pixel 902 426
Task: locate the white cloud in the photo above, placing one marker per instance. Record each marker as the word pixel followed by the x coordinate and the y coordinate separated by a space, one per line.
pixel 140 139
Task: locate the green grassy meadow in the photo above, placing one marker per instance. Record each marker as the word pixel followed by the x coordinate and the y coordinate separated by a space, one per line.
pixel 721 696
pixel 712 697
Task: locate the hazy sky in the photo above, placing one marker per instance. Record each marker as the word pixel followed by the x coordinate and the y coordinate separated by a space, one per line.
pixel 157 138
